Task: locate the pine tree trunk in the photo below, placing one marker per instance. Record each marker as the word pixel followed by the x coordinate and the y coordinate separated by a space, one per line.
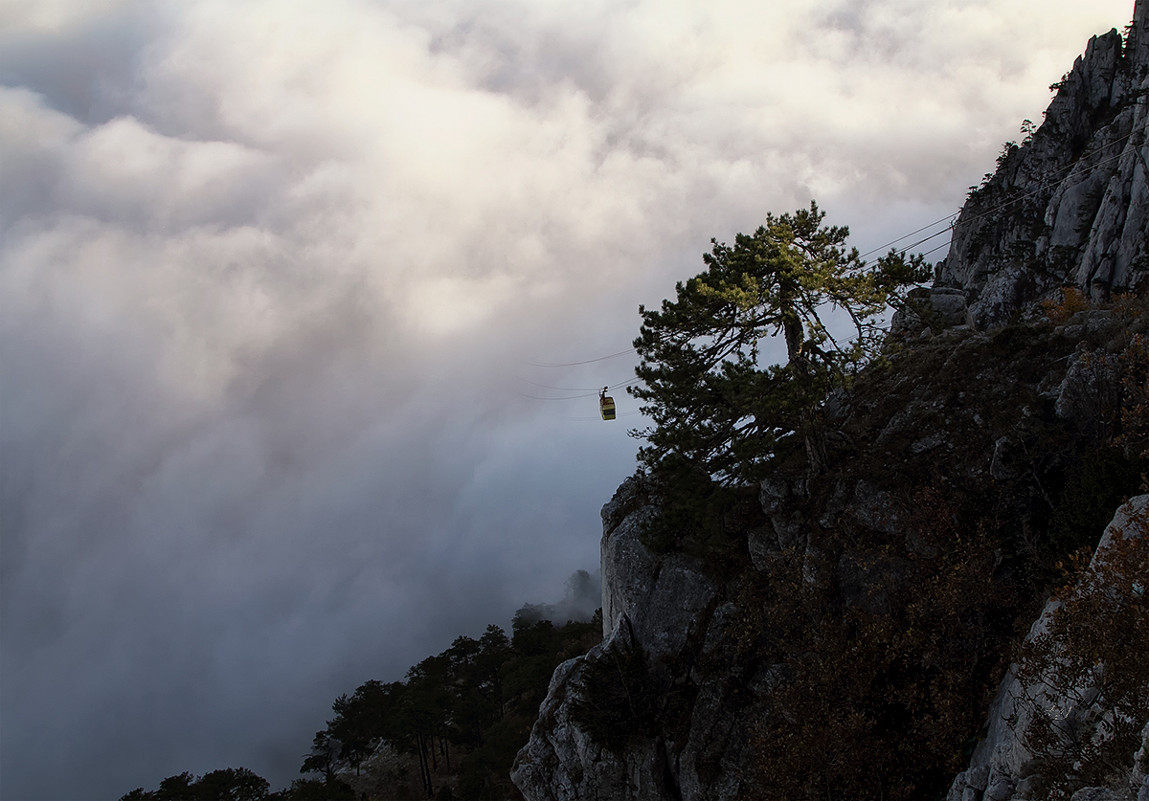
pixel 424 766
pixel 814 435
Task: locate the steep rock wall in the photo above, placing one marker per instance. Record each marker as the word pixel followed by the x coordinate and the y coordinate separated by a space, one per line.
pixel 687 639
pixel 669 606
pixel 1070 205
pixel 1003 767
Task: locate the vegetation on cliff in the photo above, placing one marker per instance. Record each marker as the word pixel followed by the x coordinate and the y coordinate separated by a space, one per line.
pixel 886 513
pixel 1092 653
pixel 962 471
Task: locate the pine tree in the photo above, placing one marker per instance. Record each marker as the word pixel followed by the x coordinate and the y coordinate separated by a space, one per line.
pixel 718 403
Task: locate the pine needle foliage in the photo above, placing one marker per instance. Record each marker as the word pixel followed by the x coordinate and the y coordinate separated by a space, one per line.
pixel 720 399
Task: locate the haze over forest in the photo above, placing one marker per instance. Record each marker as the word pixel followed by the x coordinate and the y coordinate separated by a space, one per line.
pixel 304 309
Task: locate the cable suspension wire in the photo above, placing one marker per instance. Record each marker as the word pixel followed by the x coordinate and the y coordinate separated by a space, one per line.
pixel 567 389
pixel 588 361
pixel 936 249
pixel 1042 185
pixel 1055 177
pixel 928 238
pixel 590 394
pixel 948 218
pixel 1001 206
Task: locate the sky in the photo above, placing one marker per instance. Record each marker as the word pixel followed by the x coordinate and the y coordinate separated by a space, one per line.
pixel 304 307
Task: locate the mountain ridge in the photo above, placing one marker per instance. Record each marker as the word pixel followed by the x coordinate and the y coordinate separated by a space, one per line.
pixel 1070 205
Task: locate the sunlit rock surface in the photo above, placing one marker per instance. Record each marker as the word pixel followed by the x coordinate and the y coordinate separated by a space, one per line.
pixel 1070 205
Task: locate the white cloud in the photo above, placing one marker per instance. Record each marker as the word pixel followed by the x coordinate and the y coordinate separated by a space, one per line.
pixel 40 17
pixel 271 272
pixel 122 172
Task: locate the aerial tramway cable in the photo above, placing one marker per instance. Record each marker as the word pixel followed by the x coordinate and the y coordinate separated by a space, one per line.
pixel 577 364
pixel 593 393
pixel 953 218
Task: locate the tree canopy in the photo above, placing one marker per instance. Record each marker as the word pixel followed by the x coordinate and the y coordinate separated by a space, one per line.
pixel 457 719
pixel 229 784
pixel 722 401
pixel 450 729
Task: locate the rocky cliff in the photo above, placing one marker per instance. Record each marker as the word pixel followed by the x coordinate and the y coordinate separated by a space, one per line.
pixel 844 634
pixel 1005 765
pixel 994 422
pixel 1069 205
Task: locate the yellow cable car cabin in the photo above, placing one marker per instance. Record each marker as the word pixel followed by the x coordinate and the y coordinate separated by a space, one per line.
pixel 606 404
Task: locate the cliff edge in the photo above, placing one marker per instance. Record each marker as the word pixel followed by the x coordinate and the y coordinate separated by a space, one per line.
pixel 1069 205
pixel 852 632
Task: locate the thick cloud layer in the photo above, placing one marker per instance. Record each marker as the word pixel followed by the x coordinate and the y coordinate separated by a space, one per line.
pixel 284 282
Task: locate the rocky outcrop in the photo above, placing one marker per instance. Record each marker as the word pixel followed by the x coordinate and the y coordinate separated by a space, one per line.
pixel 963 409
pixel 563 762
pixel 662 600
pixel 684 623
pixel 668 606
pixel 966 408
pixel 1069 206
pixel 1003 767
pixel 936 307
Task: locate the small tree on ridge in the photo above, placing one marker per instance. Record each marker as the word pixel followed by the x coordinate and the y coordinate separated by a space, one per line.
pixel 715 405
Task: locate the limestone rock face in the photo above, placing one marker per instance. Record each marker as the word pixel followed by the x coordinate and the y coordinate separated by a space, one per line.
pixel 1069 206
pixel 668 606
pixel 661 599
pixel 1002 766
